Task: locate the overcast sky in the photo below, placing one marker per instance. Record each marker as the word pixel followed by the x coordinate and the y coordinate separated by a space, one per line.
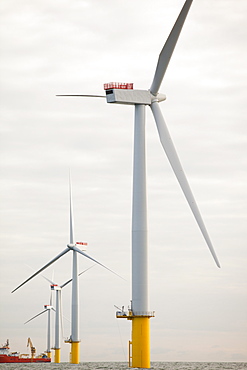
pixel 74 47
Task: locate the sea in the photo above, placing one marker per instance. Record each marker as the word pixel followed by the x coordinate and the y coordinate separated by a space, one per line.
pixel 124 366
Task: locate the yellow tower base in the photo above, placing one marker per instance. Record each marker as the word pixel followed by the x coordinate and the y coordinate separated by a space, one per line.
pixel 75 353
pixel 57 355
pixel 140 342
pixel 139 346
pixel 48 354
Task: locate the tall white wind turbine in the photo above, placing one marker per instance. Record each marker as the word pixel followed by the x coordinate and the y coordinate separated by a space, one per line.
pixel 47 308
pixel 72 246
pixel 123 93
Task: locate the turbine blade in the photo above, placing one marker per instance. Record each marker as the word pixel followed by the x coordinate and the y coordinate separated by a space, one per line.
pixel 85 270
pixel 86 96
pixel 69 281
pixel 166 52
pixel 44 277
pixel 92 259
pixel 49 281
pixel 71 221
pixel 35 316
pixel 171 153
pixel 64 284
pixel 43 268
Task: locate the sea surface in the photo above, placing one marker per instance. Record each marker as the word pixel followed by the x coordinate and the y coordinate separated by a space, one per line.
pixel 124 366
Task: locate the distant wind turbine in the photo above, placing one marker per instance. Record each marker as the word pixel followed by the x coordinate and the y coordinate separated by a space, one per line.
pixel 58 315
pixel 47 308
pixel 123 93
pixel 72 246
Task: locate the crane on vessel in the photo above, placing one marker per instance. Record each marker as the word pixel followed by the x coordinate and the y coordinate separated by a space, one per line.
pixel 33 349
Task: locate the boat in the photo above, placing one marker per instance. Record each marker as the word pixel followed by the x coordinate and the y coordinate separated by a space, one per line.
pixel 15 357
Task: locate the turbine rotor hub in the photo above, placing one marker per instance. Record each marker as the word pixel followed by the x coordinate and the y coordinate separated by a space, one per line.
pixel 71 246
pixel 158 98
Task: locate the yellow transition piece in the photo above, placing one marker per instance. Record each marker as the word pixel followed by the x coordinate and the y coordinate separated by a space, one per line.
pixel 75 353
pixel 140 342
pixel 57 356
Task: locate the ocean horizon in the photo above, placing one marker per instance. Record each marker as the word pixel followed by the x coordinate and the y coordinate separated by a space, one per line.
pixel 124 366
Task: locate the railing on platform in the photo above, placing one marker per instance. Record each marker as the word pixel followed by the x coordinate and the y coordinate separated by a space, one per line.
pixel 118 85
pixel 129 314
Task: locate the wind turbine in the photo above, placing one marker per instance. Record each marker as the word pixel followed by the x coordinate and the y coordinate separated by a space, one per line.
pixel 58 315
pixel 123 93
pixel 47 308
pixel 72 246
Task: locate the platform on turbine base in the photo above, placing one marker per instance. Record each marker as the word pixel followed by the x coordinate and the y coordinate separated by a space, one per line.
pixel 129 315
pixel 69 340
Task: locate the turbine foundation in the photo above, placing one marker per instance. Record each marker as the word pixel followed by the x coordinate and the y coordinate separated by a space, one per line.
pixel 57 356
pixel 140 342
pixel 139 346
pixel 75 353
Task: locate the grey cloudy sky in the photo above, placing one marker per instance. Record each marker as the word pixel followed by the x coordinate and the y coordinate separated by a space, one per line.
pixel 74 46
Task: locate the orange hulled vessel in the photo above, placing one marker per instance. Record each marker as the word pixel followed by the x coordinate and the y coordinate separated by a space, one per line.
pixel 14 357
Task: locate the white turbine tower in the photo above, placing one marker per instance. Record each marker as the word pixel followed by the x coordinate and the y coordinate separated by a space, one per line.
pixel 57 345
pixel 125 94
pixel 72 246
pixel 47 308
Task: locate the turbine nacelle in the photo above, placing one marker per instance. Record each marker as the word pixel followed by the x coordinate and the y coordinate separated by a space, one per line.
pixel 48 307
pixel 55 287
pixel 132 97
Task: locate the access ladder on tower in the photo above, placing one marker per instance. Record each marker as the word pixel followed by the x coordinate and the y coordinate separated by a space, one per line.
pixel 130 353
